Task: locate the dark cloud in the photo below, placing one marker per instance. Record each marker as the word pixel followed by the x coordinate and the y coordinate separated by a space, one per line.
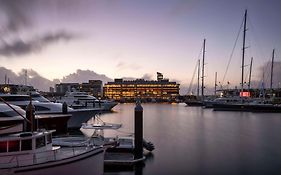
pixel 21 47
pixel 15 15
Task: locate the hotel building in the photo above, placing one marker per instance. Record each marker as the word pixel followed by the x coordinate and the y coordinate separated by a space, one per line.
pixel 160 90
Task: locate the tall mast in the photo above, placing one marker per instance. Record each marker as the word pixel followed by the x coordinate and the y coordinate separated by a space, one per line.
pixel 216 75
pixel 271 76
pixel 250 75
pixel 198 78
pixel 243 50
pixel 203 64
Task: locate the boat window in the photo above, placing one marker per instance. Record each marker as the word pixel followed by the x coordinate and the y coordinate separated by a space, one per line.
pixel 10 114
pixel 14 145
pixel 40 142
pixel 49 138
pixel 16 98
pixel 41 108
pixel 3 147
pixel 26 145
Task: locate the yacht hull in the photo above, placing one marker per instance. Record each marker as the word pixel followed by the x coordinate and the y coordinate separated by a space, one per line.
pixel 89 163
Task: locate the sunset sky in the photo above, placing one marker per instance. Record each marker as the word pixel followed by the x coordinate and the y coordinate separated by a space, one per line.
pixel 131 38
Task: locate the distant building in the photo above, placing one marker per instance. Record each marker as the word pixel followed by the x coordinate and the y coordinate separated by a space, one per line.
pixel 93 87
pixel 66 87
pixel 162 89
pixel 52 89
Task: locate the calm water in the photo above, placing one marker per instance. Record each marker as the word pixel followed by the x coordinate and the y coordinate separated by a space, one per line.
pixel 192 140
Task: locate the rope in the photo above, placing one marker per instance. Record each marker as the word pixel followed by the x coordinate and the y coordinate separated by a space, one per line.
pixel 197 65
pixel 232 52
pixel 191 82
pixel 14 110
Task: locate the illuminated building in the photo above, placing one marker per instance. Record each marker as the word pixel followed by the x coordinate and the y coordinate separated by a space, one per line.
pixel 162 89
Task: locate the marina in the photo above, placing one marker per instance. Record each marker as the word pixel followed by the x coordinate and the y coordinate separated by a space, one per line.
pixel 140 87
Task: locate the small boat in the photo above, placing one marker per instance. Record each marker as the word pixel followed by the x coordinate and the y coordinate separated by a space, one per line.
pixel 96 124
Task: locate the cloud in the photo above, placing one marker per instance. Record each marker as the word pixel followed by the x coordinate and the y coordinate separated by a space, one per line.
pixel 123 66
pixel 266 68
pixel 15 16
pixel 43 84
pixel 33 79
pixel 147 77
pixel 21 47
pixel 81 76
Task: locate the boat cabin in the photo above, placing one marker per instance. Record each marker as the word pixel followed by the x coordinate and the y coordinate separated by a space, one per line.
pixel 26 142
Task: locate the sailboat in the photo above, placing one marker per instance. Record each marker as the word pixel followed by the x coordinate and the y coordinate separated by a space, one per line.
pixel 199 101
pixel 244 103
pixel 237 103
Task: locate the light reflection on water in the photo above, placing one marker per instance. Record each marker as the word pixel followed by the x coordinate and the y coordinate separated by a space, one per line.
pixel 192 140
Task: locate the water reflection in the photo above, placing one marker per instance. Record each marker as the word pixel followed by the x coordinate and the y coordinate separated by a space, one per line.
pixel 201 141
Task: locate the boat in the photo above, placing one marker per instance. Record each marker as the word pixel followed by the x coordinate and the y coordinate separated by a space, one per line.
pixel 198 101
pixel 236 103
pixel 97 125
pixel 81 100
pixel 79 116
pixel 27 152
pixel 10 120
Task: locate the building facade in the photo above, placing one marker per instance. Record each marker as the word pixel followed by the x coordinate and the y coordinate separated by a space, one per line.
pixel 93 87
pixel 160 90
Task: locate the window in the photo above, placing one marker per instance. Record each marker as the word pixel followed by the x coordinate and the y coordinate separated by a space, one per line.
pixel 3 147
pixel 40 142
pixel 41 108
pixel 14 146
pixel 26 145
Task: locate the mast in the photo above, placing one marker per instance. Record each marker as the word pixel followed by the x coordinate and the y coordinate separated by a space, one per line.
pixel 243 50
pixel 250 75
pixel 198 79
pixel 203 64
pixel 271 76
pixel 216 74
pixel 25 77
pixel 5 79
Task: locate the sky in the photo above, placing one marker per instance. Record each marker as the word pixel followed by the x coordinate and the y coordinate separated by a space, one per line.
pixel 133 38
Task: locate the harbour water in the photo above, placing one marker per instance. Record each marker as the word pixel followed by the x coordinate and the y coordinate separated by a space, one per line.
pixel 192 140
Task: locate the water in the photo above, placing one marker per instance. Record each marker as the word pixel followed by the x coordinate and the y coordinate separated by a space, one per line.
pixel 192 140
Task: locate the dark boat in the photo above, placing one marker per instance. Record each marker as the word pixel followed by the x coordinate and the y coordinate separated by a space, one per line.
pixel 194 102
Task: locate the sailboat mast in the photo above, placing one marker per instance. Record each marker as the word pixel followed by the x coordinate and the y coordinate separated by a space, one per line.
pixel 250 75
pixel 243 50
pixel 216 75
pixel 198 78
pixel 203 64
pixel 271 76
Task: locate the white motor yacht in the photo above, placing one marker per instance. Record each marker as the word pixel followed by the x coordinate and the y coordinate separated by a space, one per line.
pixel 84 100
pixel 79 116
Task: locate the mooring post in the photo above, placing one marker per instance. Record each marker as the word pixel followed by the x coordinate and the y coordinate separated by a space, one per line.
pixel 30 115
pixel 64 108
pixel 138 151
